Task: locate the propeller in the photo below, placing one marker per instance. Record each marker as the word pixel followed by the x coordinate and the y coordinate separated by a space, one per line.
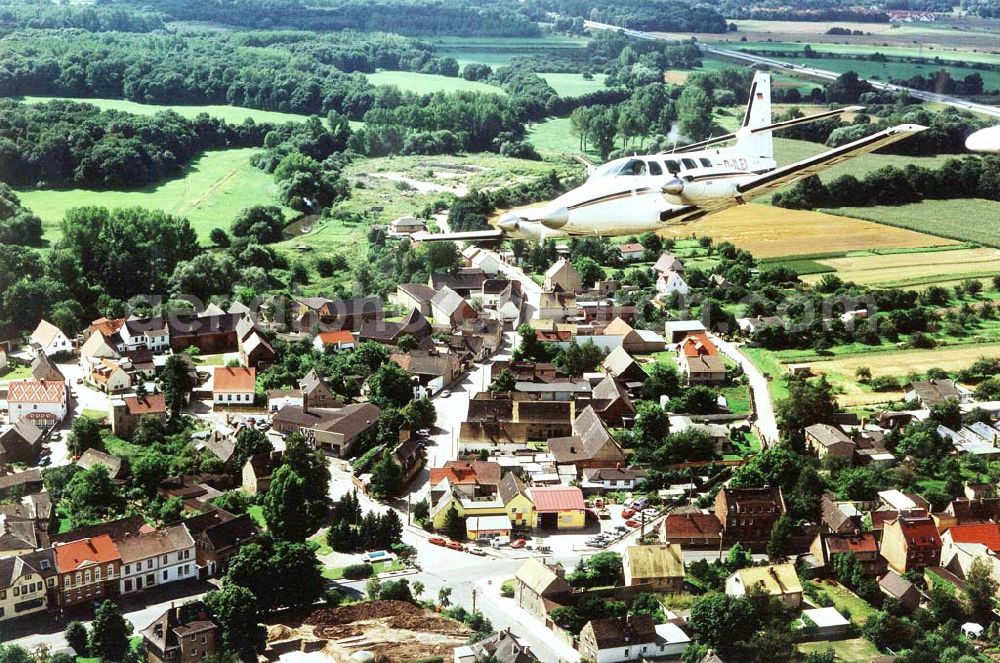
pixel 674 187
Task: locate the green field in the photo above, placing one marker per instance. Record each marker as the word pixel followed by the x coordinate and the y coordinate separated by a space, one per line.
pixel 866 50
pixel 788 151
pixel 855 650
pixel 884 71
pixel 210 192
pixel 499 52
pixel 409 81
pixel 574 85
pixel 232 114
pixel 966 220
pixel 554 136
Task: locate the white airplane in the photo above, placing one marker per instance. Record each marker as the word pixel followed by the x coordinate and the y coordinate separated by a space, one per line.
pixel 637 194
pixel 985 140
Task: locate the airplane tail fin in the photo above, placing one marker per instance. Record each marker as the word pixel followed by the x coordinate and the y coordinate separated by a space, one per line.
pixel 758 114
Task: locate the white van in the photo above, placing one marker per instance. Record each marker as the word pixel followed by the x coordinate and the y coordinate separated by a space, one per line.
pixel 500 541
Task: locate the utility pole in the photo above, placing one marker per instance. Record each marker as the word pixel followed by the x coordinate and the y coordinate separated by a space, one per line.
pixel 473 600
pixel 408 521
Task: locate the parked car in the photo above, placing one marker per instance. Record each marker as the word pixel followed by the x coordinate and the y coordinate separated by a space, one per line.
pixel 438 541
pixel 628 513
pixel 650 513
pixel 632 523
pixel 478 552
pixel 621 529
pixel 455 545
pixel 518 543
pixel 500 541
pixel 446 393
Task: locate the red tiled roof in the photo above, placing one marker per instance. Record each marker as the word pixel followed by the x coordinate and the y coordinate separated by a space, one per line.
pixel 919 532
pixel 107 327
pixel 864 542
pixel 234 380
pixel 557 498
pixel 339 337
pixel 629 248
pixel 36 391
pixel 987 534
pixel 689 525
pixel 695 345
pixel 99 550
pixel 148 404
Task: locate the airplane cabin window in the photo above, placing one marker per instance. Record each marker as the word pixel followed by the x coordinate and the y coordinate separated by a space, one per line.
pixel 672 167
pixel 635 167
pixel 705 162
pixel 654 168
pixel 689 163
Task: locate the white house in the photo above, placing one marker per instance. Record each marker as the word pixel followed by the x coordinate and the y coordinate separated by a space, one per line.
pixel 49 340
pixel 671 282
pixel 613 478
pixel 234 386
pixel 636 638
pixel 156 558
pixel 152 334
pixel 40 402
pixel 486 261
pixel 340 339
pixel 631 251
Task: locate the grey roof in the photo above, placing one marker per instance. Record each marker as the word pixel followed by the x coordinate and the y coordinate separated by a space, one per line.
pixel 895 584
pixel 618 361
pixel 42 368
pixel 447 300
pixel 828 435
pixel 608 389
pixel 418 291
pixel 510 487
pixel 464 279
pixel 161 542
pixel 572 387
pixel 931 392
pixel 92 457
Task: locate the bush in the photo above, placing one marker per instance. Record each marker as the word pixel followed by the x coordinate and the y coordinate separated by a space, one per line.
pixel 507 589
pixel 358 571
pixel 884 383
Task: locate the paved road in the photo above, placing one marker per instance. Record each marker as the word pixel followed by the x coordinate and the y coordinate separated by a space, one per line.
pixel 763 406
pixel 814 72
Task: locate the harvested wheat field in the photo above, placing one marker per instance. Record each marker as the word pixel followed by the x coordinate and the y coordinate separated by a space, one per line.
pixel 771 232
pixel 897 363
pixel 396 630
pixel 911 269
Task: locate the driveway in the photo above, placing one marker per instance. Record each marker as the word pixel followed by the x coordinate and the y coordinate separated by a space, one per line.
pixel 763 406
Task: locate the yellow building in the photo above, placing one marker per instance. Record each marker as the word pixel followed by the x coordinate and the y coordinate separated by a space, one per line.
pixel 24 583
pixel 777 580
pixel 558 507
pixel 466 506
pixel 661 566
pixel 516 502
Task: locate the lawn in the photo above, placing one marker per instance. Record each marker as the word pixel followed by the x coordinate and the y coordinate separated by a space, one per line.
pixel 555 136
pixel 380 567
pixel 961 219
pixel 16 373
pixel 232 114
pixel 409 81
pixel 855 650
pixel 898 363
pixel 909 269
pixel 769 232
pixel 210 192
pixel 844 600
pixel 256 512
pixel 574 85
pixel 738 398
pixel 95 414
pixel 769 365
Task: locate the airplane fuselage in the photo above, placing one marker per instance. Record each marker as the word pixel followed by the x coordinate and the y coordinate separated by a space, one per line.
pixel 641 193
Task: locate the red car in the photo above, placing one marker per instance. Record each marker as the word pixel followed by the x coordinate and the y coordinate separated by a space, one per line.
pixel 518 543
pixel 455 545
pixel 632 523
pixel 628 513
pixel 438 541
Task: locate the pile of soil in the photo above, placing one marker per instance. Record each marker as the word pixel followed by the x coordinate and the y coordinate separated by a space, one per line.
pixel 357 612
pixel 378 617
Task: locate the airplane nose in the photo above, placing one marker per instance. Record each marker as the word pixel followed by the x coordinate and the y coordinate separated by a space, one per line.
pixel 674 187
pixel 556 219
pixel 509 222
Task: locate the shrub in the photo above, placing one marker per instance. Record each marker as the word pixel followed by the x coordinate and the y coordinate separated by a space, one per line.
pixel 358 571
pixel 884 383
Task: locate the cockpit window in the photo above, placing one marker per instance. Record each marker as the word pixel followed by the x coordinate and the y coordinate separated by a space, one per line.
pixel 672 166
pixel 689 163
pixel 654 168
pixel 634 167
pixel 705 162
pixel 605 170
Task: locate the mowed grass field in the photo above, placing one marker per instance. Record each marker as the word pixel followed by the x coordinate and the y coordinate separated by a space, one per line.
pixel 409 81
pixel 965 219
pixel 770 232
pixel 231 114
pixel 910 269
pixel 574 85
pixel 499 52
pixel 867 50
pixel 788 151
pixel 210 192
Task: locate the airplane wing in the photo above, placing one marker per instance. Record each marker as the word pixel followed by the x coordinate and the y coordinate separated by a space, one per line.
pixel 792 173
pixel 777 126
pixel 470 236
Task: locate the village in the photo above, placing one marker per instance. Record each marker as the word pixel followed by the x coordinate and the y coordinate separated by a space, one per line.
pixel 581 476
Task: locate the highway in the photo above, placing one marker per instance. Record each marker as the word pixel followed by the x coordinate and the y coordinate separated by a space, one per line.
pixel 811 72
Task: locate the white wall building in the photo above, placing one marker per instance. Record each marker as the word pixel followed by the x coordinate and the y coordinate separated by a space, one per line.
pixel 157 558
pixel 49 340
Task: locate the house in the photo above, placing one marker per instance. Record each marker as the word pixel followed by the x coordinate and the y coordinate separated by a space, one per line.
pixel 91 458
pixel 21 443
pixel 751 326
pixel 501 647
pixel 516 501
pixel 109 376
pixel 316 392
pixel 590 446
pixel 699 360
pixel 127 412
pixel 958 558
pixel 406 225
pixel 612 403
pixel 117 529
pixel 149 333
pixel 635 341
pixel 27 482
pixel 410 296
pixel 935 392
pixel 862 545
pixel 308 312
pixel 670 283
pixel 466 281
pixel 562 276
pixel 620 365
pixel 234 385
pixel 258 470
pixel 218 535
pixel 613 478
pixel 601 312
pixel 88 570
pixel 558 305
pixel 510 305
pixel 18 536
pixel 827 440
pixel 631 251
pixel 25 583
pixel 692 527
pixel 660 566
pixel 676 331
pixel 486 261
pixel 42 404
pixel 99 346
pixel 432 371
pixel 668 263
pixel 49 340
pixel 618 639
pixel 42 369
pixel 475 477
pixel 335 430
pixel 826 623
pixel 389 333
pixel 493 418
pixel 897 587
pixel 255 350
pixel 466 505
pixel 563 390
pixel 450 308
pixel 478 527
pixel 984 534
pixel 839 517
pixel 910 543
pixel 538 587
pixel 182 634
pixel 748 514
pixel 156 558
pixel 779 581
pixel 558 507
pixel 409 457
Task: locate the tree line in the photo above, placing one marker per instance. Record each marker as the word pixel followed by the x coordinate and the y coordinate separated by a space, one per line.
pixel 655 15
pixel 63 143
pixel 94 18
pixel 18 225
